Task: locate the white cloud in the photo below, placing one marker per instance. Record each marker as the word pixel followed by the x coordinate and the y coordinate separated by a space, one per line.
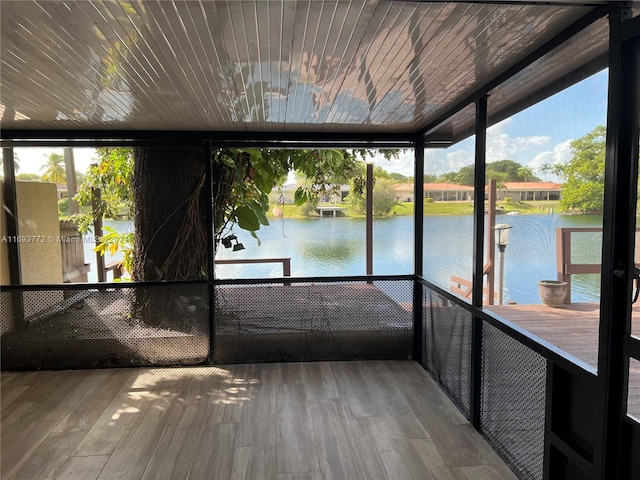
pixel 438 162
pixel 404 164
pixel 561 153
pixel 500 146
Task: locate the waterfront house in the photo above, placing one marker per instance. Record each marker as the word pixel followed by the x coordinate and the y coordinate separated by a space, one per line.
pixel 530 191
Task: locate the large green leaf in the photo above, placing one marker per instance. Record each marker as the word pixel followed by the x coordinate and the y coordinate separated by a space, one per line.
pixel 247 219
pixel 258 210
pixel 300 197
pixel 228 161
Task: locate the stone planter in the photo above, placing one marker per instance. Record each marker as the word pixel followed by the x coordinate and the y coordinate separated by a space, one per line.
pixel 553 292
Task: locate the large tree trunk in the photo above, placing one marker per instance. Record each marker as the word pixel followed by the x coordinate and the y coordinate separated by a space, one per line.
pixel 170 214
pixel 170 235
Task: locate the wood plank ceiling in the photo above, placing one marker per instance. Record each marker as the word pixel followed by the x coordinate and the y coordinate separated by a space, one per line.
pixel 268 66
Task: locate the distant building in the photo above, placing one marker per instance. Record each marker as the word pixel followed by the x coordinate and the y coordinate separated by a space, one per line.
pixel 440 192
pixel 529 191
pixel 287 193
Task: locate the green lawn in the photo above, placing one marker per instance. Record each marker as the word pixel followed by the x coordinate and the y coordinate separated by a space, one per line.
pixel 434 208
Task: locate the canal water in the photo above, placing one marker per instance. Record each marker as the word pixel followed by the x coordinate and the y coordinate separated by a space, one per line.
pixel 336 247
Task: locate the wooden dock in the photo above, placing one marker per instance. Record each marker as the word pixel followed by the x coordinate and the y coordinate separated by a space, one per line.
pixel 574 329
pixel 330 211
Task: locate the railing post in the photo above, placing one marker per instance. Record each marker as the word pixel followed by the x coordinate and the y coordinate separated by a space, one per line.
pixel 563 257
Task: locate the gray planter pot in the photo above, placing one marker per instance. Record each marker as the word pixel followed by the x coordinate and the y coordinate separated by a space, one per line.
pixel 553 292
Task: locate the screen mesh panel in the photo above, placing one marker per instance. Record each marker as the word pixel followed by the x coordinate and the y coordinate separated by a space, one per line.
pixel 513 401
pixel 313 321
pixel 447 347
pixel 105 327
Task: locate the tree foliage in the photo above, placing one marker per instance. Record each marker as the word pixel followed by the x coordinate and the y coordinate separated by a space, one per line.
pixel 28 177
pixel 244 178
pixel 242 182
pixel 384 196
pixel 526 173
pixel 54 170
pixel 584 186
pixel 112 175
pixel 16 163
pixel 430 178
pixel 501 170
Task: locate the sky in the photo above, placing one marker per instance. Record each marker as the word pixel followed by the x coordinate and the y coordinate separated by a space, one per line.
pixel 539 135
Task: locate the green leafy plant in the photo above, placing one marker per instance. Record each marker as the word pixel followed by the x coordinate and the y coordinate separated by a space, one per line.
pixel 114 242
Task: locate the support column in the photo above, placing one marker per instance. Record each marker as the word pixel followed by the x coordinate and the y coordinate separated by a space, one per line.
pixel 10 201
pixel 211 249
pixel 10 205
pixel 369 233
pixel 478 258
pixel 621 174
pixel 418 252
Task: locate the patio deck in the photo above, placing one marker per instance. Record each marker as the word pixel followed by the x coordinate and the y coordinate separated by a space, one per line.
pixel 573 328
pixel 350 420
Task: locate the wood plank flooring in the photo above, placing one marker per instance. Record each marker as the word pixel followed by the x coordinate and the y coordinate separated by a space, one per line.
pixel 575 329
pixel 293 421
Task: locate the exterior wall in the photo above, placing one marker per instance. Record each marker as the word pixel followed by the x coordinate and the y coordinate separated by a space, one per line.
pixel 530 195
pixel 40 253
pixel 41 258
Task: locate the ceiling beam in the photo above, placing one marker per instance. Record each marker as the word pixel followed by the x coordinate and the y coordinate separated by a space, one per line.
pixel 195 139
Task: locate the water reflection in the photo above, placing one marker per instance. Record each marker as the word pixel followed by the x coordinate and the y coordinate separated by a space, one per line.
pixel 336 247
pixel 331 253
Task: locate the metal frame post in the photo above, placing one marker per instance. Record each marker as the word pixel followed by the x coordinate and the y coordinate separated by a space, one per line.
pixel 10 205
pixel 491 241
pixel 418 248
pixel 11 215
pixel 621 173
pixel 369 220
pixel 478 258
pixel 211 248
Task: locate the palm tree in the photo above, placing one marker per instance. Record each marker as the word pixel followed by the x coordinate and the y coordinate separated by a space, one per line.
pixel 16 163
pixel 545 168
pixel 54 169
pixel 525 173
pixel 559 170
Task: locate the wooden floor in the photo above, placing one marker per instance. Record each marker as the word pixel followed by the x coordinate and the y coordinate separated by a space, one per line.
pixel 312 421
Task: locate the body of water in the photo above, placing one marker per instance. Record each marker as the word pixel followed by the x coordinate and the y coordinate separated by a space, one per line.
pixel 336 247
